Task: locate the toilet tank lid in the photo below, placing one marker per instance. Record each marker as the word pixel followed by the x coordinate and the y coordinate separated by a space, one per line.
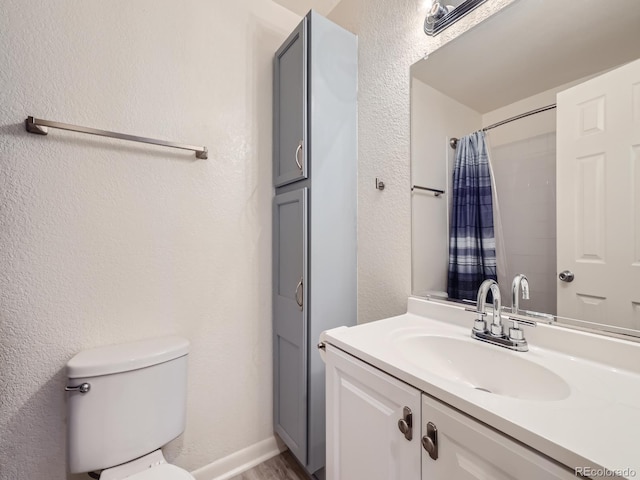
pixel 125 357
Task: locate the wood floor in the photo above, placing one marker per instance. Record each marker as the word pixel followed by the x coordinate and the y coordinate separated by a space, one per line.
pixel 281 467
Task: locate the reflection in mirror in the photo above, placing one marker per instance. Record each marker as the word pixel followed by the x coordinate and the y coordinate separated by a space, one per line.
pixel 565 180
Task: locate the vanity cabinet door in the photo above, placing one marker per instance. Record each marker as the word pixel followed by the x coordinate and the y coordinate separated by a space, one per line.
pixel 468 450
pixel 364 407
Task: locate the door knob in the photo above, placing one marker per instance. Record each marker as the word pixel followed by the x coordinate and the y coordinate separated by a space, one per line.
pixel 405 424
pixel 430 441
pixel 566 276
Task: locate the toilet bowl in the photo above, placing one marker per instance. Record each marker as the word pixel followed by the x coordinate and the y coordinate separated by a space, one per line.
pixel 124 403
pixel 150 467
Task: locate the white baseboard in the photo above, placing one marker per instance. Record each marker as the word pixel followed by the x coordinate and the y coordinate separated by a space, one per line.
pixel 241 461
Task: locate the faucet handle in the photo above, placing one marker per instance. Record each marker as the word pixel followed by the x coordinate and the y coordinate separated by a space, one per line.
pixel 475 310
pixel 480 325
pixel 522 320
pixel 515 332
pixel 478 312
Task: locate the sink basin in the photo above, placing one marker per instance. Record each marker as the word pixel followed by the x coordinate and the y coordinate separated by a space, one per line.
pixel 486 368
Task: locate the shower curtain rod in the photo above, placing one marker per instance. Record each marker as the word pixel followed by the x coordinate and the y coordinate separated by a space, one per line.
pixel 454 141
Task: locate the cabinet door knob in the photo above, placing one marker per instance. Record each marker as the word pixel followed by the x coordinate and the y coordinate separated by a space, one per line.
pixel 298 150
pixel 405 424
pixel 430 441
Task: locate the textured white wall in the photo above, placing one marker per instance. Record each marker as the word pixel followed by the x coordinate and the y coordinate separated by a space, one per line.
pixel 391 39
pixel 104 241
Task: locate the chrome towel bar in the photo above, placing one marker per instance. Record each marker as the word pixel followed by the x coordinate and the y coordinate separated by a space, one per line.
pixel 39 126
pixel 435 191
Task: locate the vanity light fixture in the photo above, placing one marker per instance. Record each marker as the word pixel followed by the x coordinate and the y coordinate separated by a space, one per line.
pixel 442 14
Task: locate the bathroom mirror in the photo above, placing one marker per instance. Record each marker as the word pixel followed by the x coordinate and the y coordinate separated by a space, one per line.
pixel 513 63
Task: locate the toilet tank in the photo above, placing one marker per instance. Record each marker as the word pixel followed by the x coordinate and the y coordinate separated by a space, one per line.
pixel 136 402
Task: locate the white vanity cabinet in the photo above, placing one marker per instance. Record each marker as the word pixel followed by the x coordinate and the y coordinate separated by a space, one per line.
pixel 364 406
pixel 365 442
pixel 469 450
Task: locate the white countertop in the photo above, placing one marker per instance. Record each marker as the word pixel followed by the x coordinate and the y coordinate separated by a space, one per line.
pixel 595 426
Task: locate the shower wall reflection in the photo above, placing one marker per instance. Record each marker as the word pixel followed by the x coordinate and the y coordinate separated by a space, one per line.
pixel 525 178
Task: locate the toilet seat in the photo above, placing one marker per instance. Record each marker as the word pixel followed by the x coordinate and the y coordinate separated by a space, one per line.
pixel 150 467
pixel 162 472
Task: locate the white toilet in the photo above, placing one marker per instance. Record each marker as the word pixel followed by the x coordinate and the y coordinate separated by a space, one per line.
pixel 124 403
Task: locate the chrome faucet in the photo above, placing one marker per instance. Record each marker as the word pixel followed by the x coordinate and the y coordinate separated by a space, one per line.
pixel 480 325
pixel 516 335
pixel 494 334
pixel 520 280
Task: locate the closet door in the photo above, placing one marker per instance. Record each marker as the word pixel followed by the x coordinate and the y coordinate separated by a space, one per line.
pixel 290 320
pixel 290 109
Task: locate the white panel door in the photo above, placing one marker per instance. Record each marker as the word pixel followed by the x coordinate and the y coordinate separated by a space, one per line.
pixel 364 405
pixel 467 450
pixel 598 198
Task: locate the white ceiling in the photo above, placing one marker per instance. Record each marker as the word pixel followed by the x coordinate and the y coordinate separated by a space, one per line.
pixel 531 46
pixel 301 7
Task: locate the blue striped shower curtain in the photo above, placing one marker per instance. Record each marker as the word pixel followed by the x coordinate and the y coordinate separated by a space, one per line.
pixel 472 244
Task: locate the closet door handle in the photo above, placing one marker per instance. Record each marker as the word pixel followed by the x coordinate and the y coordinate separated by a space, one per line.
pixel 300 294
pixel 298 150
